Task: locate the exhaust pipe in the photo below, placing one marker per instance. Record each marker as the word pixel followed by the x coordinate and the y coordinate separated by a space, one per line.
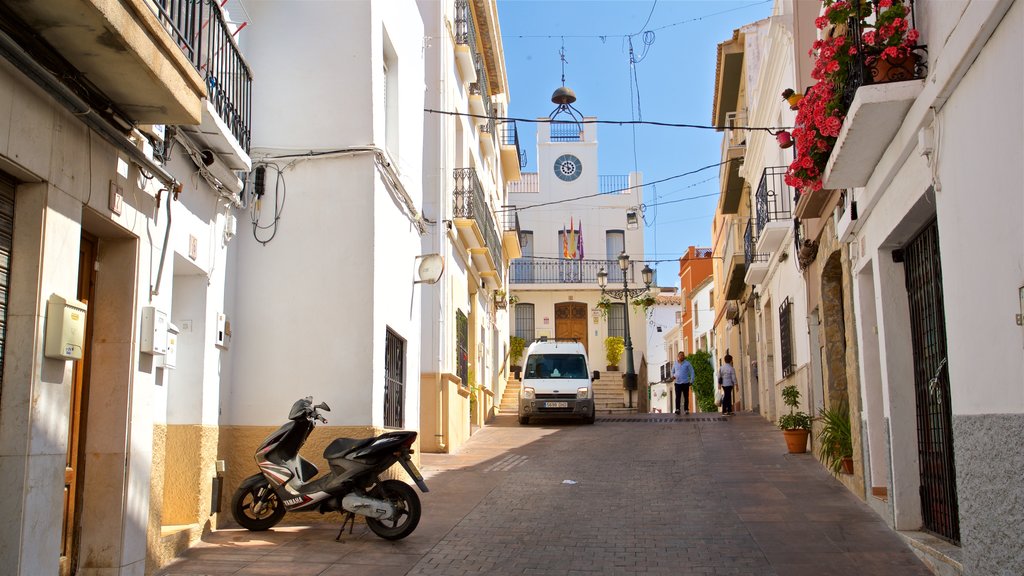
pixel 365 506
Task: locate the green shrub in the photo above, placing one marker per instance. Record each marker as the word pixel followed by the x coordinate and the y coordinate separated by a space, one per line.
pixel 516 345
pixel 704 380
pixel 614 346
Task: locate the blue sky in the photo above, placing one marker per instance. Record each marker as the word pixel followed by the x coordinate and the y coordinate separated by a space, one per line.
pixel 676 78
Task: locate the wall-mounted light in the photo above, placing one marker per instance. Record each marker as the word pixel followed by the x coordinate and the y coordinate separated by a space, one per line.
pixel 632 219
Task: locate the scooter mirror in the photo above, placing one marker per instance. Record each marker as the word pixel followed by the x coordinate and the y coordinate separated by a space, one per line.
pixel 323 406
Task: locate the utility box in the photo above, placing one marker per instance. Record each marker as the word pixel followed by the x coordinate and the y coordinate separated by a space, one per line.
pixel 65 328
pixel 171 357
pixel 154 331
pixel 223 336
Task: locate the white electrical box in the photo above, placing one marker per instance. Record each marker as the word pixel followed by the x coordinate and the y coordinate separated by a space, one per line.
pixel 223 336
pixel 171 357
pixel 65 328
pixel 154 331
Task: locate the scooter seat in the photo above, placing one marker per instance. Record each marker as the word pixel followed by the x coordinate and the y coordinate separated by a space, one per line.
pixel 341 446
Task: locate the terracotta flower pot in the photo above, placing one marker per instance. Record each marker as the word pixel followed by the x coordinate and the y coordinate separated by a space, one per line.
pixel 796 440
pixel 847 465
pixel 894 69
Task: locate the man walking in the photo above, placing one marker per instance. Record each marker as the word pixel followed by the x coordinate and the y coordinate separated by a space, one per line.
pixel 682 370
pixel 727 378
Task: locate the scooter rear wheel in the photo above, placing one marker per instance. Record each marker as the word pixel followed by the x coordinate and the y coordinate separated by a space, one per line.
pixel 255 505
pixel 407 510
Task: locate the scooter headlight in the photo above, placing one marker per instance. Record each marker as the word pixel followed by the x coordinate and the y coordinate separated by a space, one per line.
pixel 528 393
pixel 582 393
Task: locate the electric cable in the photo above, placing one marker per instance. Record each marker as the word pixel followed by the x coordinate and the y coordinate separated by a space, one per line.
pixel 770 129
pixel 256 209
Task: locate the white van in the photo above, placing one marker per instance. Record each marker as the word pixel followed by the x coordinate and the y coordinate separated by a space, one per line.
pixel 557 382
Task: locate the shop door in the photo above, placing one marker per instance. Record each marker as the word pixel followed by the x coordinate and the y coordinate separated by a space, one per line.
pixel 76 425
pixel 571 321
pixel 923 269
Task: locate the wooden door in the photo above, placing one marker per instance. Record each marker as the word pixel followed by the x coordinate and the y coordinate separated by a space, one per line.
pixel 79 395
pixel 571 321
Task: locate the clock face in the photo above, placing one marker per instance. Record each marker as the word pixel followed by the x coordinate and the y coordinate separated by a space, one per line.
pixel 568 167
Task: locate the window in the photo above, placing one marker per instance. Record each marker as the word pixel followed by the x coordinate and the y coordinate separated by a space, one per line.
pixel 394 380
pixel 558 366
pixel 6 248
pixel 525 322
pixel 462 347
pixel 615 244
pixel 786 337
pixel 679 316
pixel 696 316
pixel 617 320
pixel 389 88
pixel 522 268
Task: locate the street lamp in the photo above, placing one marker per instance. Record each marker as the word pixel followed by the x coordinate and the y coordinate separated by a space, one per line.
pixel 629 376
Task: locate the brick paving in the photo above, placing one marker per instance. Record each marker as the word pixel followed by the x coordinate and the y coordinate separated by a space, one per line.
pixel 645 495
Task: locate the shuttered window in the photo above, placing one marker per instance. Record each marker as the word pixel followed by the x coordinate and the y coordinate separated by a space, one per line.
pixel 525 322
pixel 786 337
pixel 617 320
pixel 394 380
pixel 6 243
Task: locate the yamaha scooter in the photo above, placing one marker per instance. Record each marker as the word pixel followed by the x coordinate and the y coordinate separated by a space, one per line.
pixel 287 481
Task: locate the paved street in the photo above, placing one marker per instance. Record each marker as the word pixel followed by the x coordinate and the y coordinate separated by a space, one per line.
pixel 650 494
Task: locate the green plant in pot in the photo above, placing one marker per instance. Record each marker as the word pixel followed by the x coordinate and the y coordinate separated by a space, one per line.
pixel 614 346
pixel 796 425
pixel 516 346
pixel 836 450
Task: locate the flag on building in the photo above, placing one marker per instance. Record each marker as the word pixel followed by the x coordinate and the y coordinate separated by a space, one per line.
pixel 565 243
pixel 579 242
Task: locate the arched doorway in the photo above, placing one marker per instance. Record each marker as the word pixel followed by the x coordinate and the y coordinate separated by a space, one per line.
pixel 833 326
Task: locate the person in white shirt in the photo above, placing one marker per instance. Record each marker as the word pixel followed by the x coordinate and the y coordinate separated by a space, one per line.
pixel 727 379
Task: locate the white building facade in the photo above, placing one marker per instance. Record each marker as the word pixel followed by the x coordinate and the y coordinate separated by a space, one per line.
pixel 468 162
pixel 566 244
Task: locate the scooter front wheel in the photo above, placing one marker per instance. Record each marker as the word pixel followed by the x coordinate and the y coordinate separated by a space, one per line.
pixel 255 505
pixel 407 510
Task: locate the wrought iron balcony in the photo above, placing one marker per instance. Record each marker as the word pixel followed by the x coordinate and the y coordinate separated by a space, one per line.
pixel 510 141
pixel 566 132
pixel 469 205
pixel 510 236
pixel 774 202
pixel 877 96
pixel 565 271
pixel 756 264
pixel 201 31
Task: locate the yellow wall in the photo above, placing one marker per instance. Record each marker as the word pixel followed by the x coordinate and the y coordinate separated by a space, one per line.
pixel 444 413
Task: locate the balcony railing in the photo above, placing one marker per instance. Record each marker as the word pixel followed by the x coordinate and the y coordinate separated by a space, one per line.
pixel 530 271
pixel 859 72
pixel 202 33
pixel 774 197
pixel 750 255
pixel 510 220
pixel 510 137
pixel 566 132
pixel 613 183
pixel 468 198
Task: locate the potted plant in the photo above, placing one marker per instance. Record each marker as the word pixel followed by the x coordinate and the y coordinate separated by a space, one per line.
pixel 797 424
pixel 614 346
pixel 604 305
pixel 644 302
pixel 888 43
pixel 836 450
pixel 516 346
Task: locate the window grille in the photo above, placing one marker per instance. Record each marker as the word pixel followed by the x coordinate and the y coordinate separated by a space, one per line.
pixel 617 320
pixel 394 380
pixel 525 322
pixel 462 347
pixel 786 337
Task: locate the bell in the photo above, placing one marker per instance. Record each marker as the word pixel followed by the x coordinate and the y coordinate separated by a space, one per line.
pixel 785 139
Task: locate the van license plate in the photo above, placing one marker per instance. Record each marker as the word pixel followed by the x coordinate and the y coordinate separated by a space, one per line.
pixel 556 404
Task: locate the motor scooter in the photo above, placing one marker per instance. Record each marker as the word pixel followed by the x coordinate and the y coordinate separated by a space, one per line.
pixel 287 482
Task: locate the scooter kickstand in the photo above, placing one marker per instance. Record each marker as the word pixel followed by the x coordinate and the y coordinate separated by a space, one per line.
pixel 350 520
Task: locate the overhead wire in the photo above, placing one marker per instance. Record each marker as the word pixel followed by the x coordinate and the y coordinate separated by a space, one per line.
pixel 770 129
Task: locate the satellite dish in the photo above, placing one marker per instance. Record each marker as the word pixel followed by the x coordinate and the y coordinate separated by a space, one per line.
pixel 430 269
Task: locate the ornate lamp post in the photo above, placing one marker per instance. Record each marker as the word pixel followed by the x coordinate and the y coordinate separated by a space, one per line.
pixel 629 376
